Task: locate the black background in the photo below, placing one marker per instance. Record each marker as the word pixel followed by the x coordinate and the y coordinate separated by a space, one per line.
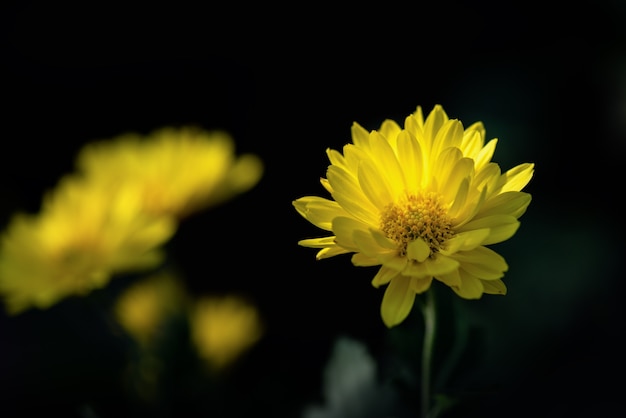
pixel 287 82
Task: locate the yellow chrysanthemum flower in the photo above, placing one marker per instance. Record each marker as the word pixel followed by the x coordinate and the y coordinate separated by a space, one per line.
pixel 222 328
pixel 82 236
pixel 144 307
pixel 179 171
pixel 423 202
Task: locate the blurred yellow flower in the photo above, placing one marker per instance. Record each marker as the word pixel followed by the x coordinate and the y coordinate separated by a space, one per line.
pixel 422 202
pixel 222 328
pixel 179 171
pixel 82 236
pixel 143 308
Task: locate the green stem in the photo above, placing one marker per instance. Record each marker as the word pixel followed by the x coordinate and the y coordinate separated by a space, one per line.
pixel 428 310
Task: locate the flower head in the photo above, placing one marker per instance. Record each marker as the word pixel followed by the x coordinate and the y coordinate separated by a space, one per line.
pixel 423 202
pixel 146 305
pixel 178 171
pixel 82 236
pixel 222 328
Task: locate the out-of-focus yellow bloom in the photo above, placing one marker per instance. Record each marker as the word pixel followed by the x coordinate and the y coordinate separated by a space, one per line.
pixel 179 171
pixel 144 307
pixel 222 328
pixel 82 236
pixel 422 202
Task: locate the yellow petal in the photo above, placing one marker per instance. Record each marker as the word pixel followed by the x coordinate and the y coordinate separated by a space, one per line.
pixel 418 250
pixel 415 269
pixel 387 163
pixel 494 287
pixel 367 244
pixel 317 242
pixel 477 127
pixel 470 288
pixel 397 301
pixel 465 241
pixel 319 211
pixel 444 164
pixel 487 222
pixel 460 173
pixel 460 199
pixel 452 279
pixel 485 154
pixel 450 135
pixel 361 260
pixel 501 227
pixel 360 136
pixel 482 262
pixel 501 233
pixel 326 185
pixel 434 121
pixel 419 116
pixel 344 228
pixel 507 203
pixel 331 252
pixel 487 177
pixel 336 158
pixel 354 156
pixel 393 261
pixel 420 285
pixel 472 205
pixel 473 140
pixel 411 158
pixel 440 264
pixel 517 178
pixel 382 240
pixel 375 185
pixel 390 130
pixel 415 126
pixel 349 195
pixel 383 276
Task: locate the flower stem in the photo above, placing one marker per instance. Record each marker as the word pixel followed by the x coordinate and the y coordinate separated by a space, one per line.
pixel 428 310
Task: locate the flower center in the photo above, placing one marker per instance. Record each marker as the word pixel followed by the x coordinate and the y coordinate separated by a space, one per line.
pixel 417 216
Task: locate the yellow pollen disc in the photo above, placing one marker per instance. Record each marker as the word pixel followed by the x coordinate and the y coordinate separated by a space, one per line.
pixel 417 216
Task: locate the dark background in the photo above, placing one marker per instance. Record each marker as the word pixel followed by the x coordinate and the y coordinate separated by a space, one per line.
pixel 287 82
